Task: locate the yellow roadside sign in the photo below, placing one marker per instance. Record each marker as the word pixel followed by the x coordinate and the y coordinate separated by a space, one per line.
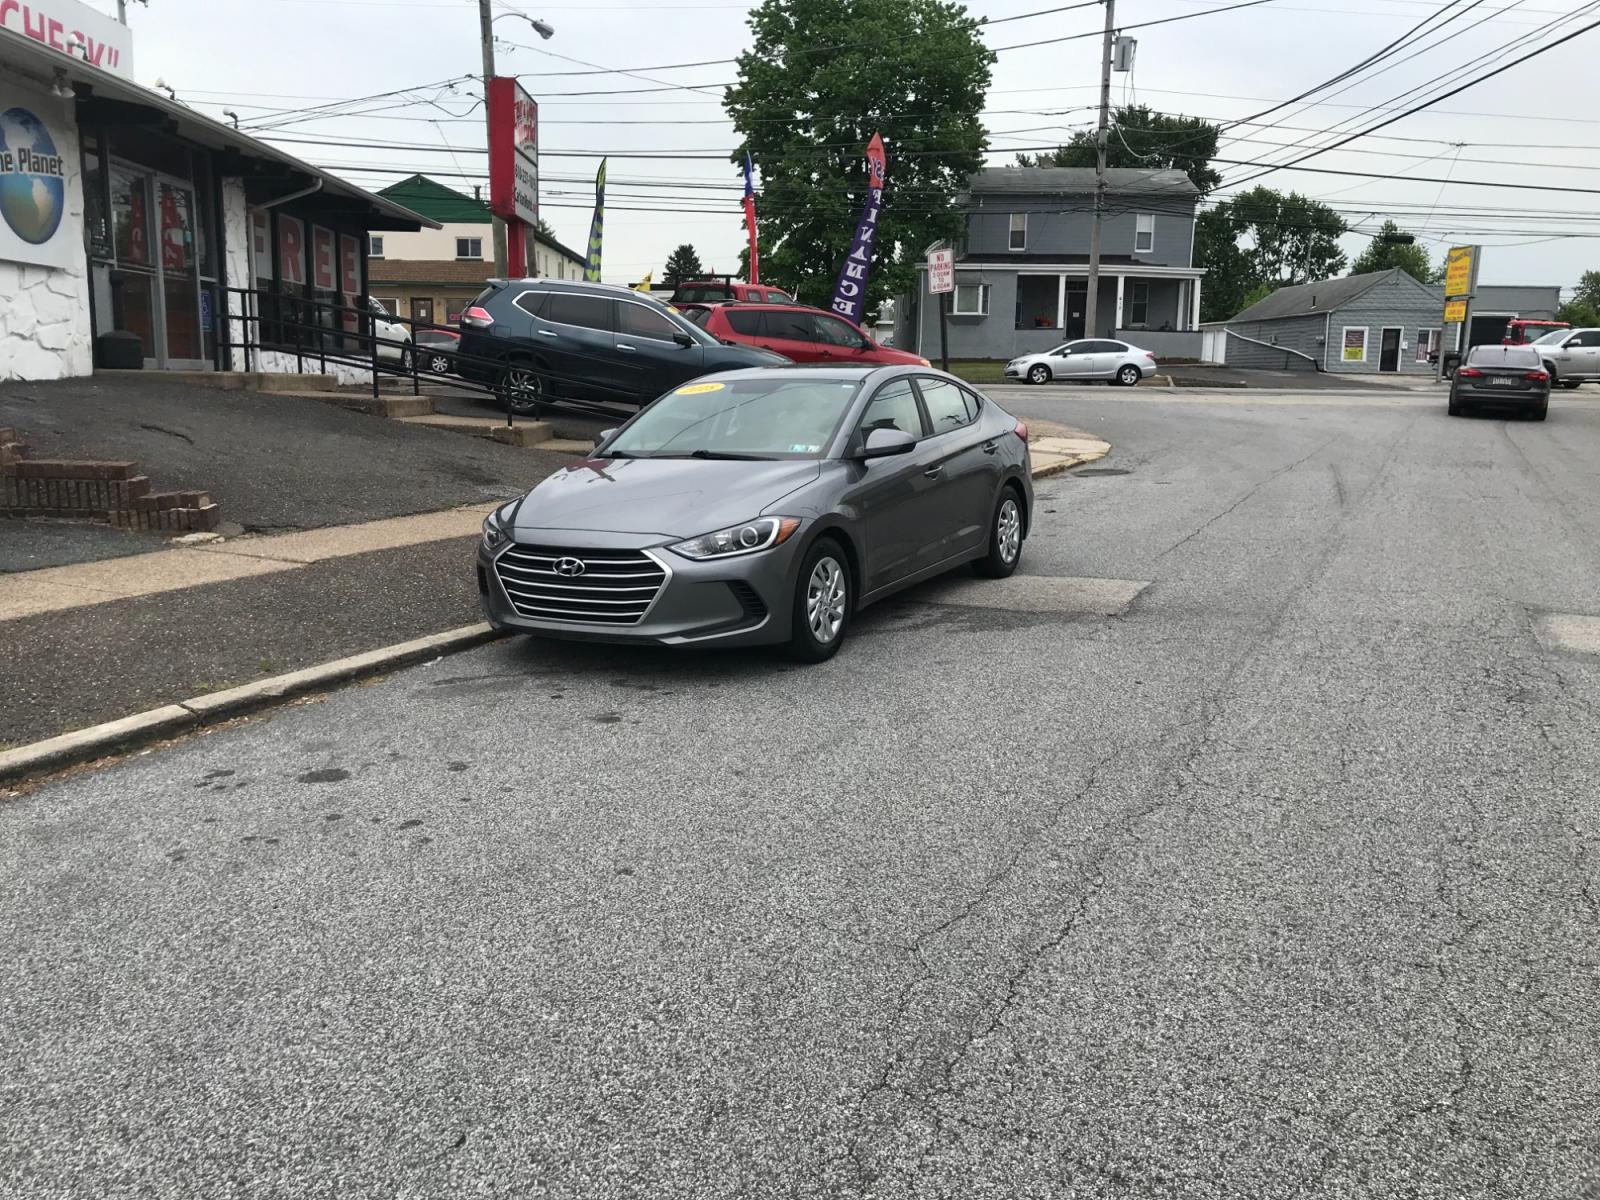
pixel 1458 271
pixel 1455 312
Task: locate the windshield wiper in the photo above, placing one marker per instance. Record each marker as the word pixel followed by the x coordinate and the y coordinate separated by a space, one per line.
pixel 731 454
pixel 623 454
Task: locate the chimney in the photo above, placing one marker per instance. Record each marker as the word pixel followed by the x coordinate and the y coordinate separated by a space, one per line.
pixel 477 193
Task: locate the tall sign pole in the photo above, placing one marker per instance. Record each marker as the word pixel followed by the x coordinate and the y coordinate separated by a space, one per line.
pixel 486 35
pixel 513 172
pixel 941 282
pixel 1091 307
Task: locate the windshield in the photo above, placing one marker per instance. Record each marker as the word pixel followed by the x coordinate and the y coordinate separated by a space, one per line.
pixel 769 416
pixel 1555 335
pixel 701 292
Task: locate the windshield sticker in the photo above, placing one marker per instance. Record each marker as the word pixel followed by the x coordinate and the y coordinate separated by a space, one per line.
pixel 802 448
pixel 699 389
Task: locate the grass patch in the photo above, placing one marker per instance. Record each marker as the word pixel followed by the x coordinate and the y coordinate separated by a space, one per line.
pixel 977 370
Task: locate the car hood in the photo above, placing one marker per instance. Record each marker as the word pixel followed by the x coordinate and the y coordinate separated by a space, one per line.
pixel 669 497
pixel 728 358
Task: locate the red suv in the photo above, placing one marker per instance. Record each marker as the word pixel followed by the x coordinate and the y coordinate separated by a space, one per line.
pixel 711 291
pixel 805 335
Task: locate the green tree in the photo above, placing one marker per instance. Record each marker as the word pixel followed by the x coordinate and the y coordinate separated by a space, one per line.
pixel 1141 137
pixel 820 78
pixel 683 263
pixel 1380 255
pixel 1230 273
pixel 1584 307
pixel 1437 274
pixel 545 231
pixel 1293 239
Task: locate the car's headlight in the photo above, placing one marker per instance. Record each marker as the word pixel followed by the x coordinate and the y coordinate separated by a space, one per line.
pixel 495 531
pixel 924 362
pixel 749 538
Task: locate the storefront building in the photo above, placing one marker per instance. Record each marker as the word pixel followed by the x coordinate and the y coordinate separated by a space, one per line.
pixel 133 229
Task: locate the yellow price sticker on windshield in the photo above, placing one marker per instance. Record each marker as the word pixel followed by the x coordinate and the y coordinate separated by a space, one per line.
pixel 699 389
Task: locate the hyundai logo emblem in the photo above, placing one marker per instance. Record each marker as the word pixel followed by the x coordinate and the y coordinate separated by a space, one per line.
pixel 570 567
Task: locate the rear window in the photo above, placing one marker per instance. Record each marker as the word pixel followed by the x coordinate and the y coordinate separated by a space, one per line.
pixel 1504 356
pixel 531 303
pixel 702 293
pixel 744 322
pixel 697 315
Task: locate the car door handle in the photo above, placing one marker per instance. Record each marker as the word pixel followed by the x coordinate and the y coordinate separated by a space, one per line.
pixel 934 472
pixel 991 445
pixel 625 348
pixel 825 354
pixel 548 333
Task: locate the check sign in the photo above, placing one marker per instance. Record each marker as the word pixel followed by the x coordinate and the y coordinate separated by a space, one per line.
pixel 941 271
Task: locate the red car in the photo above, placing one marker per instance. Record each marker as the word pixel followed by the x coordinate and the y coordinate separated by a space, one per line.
pixel 805 335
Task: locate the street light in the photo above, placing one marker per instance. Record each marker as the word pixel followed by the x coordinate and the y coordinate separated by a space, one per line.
pixel 486 22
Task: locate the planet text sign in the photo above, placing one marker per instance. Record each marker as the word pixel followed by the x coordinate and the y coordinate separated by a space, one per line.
pixel 513 152
pixel 33 184
pixel 72 28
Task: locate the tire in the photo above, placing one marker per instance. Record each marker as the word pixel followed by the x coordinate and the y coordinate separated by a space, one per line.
pixel 439 364
pixel 1571 384
pixel 521 389
pixel 1540 413
pixel 1038 373
pixel 822 603
pixel 1005 536
pixel 1128 376
pixel 1453 408
pixel 1449 370
pixel 405 359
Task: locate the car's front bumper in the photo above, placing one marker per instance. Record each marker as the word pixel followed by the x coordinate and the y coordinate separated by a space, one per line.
pixel 745 600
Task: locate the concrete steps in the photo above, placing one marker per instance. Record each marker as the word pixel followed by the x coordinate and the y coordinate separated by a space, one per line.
pixel 238 381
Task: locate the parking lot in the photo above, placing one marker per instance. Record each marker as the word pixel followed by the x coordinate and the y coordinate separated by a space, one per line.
pixel 1244 845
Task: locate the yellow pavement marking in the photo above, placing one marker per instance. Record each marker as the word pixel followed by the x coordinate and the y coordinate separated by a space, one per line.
pixel 52 589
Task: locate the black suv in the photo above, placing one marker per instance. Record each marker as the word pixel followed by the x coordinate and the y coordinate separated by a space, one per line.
pixel 595 344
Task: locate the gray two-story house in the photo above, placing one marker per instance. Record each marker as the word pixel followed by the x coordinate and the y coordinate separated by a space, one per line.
pixel 1022 269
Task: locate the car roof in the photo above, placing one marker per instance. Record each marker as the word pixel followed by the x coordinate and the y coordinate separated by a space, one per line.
pixel 577 285
pixel 868 372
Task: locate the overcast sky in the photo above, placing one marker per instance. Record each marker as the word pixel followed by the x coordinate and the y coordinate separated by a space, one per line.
pixel 1536 123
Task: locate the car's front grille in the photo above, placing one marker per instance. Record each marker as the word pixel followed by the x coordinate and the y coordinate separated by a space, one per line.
pixel 614 587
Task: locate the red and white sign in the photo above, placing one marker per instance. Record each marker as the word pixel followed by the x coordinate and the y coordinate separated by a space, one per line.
pixel 513 151
pixel 941 272
pixel 350 276
pixel 291 250
pixel 322 259
pixel 72 28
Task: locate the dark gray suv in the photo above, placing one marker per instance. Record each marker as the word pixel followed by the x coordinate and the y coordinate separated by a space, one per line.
pixel 538 340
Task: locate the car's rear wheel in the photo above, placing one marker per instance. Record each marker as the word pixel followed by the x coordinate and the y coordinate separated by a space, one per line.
pixel 1454 407
pixel 821 603
pixel 1540 413
pixel 1005 536
pixel 1571 384
pixel 439 364
pixel 1038 373
pixel 405 359
pixel 521 390
pixel 1128 375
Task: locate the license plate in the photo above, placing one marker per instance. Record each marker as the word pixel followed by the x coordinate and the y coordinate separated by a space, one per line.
pixel 1502 381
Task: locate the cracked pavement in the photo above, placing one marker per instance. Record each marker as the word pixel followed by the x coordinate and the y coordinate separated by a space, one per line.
pixel 1279 884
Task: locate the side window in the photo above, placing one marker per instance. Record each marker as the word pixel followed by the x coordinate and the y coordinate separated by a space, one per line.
pixel 893 407
pixel 775 295
pixel 791 325
pixel 532 303
pixel 745 323
pixel 587 312
pixel 636 320
pixel 831 331
pixel 974 403
pixel 947 409
pixel 1592 338
pixel 1106 347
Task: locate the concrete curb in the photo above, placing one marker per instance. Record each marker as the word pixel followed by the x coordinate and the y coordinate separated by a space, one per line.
pixel 1055 455
pixel 98 740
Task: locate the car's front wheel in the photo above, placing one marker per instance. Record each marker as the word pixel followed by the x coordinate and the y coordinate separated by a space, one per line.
pixel 1128 375
pixel 821 603
pixel 439 364
pixel 521 390
pixel 1038 373
pixel 1005 537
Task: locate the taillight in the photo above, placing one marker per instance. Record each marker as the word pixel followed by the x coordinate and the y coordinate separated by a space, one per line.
pixel 1150 356
pixel 1022 432
pixel 1469 373
pixel 1537 376
pixel 478 318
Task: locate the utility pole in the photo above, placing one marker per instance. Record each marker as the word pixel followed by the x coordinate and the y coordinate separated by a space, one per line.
pixel 1091 307
pixel 486 32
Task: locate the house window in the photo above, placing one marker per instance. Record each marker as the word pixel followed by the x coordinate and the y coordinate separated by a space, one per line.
pixel 469 247
pixel 1139 305
pixel 1427 343
pixel 1144 233
pixel 374 246
pixel 1019 231
pixel 971 300
pixel 1353 348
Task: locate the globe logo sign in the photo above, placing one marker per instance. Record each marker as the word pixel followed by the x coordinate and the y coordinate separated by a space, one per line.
pixel 33 184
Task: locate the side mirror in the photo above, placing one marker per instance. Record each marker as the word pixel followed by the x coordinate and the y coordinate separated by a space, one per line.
pixel 683 339
pixel 605 435
pixel 884 443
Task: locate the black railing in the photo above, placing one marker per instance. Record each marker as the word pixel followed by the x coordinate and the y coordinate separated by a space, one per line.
pixel 321 335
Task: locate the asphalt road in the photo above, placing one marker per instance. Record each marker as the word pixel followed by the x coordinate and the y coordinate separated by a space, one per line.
pixel 1280 884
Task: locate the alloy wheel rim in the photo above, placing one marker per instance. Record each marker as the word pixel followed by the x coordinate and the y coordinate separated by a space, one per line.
pixel 1008 531
pixel 440 364
pixel 1038 374
pixel 825 600
pixel 1130 375
pixel 522 389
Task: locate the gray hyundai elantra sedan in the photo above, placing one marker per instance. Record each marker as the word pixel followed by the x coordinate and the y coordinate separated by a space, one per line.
pixel 763 507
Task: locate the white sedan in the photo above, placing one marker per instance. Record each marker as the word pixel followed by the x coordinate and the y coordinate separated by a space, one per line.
pixel 1088 358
